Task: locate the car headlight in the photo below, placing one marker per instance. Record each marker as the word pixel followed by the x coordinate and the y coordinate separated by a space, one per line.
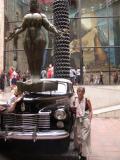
pixel 60 114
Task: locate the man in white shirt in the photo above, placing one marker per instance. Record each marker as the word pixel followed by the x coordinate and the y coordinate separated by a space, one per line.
pixel 72 75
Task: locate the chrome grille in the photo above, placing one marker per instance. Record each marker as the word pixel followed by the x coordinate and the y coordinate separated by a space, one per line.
pixel 9 119
pixel 27 122
pixel 43 120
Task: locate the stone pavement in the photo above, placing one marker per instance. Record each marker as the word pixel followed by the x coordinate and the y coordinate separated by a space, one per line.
pixel 105 139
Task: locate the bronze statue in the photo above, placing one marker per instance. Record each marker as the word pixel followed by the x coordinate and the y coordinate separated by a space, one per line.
pixel 34 42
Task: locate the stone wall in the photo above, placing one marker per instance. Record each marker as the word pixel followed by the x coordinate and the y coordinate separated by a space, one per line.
pixel 14 15
pixel 1 34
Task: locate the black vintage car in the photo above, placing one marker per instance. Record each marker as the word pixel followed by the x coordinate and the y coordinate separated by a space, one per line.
pixel 41 119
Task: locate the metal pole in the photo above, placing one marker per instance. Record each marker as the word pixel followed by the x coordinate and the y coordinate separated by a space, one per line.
pixel 80 43
pixel 109 69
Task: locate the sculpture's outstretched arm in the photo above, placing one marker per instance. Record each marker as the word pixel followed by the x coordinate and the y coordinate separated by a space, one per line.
pixel 49 26
pixel 16 31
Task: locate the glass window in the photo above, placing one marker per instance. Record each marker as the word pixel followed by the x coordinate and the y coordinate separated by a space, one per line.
pixel 113 8
pixel 115 29
pixel 92 7
pixel 60 90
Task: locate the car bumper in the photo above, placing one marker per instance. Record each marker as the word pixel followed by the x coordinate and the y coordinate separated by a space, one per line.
pixel 45 135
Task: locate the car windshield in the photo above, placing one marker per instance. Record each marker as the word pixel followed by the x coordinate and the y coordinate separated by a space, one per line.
pixel 61 88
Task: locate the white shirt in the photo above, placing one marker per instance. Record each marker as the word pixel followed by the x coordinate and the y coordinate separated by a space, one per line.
pixel 11 100
pixel 80 107
pixel 78 72
pixel 72 72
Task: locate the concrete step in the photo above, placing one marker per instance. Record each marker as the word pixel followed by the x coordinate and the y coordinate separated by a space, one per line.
pixel 107 112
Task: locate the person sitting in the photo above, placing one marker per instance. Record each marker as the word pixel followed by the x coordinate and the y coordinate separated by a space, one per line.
pixel 12 102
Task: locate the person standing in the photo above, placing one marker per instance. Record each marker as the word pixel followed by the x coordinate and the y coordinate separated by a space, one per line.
pixel 82 108
pixel 78 75
pixel 10 74
pixel 2 81
pixel 50 71
pixel 101 78
pixel 91 79
pixel 96 79
pixel 115 77
pixel 72 75
pixel 43 73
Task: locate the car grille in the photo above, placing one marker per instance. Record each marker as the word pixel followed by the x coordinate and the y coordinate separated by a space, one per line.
pixel 26 122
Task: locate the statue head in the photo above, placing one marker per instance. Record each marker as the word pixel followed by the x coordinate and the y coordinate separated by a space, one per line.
pixel 34 6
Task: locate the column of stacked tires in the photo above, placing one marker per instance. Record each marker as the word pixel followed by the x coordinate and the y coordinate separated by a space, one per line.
pixel 61 49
